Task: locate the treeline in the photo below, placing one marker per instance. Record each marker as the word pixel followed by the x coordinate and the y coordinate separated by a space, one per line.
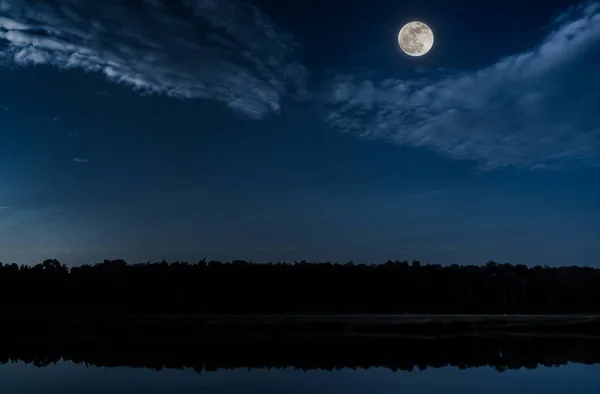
pixel 505 353
pixel 249 288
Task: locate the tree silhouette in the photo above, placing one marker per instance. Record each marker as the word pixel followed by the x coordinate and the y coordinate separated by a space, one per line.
pixel 300 287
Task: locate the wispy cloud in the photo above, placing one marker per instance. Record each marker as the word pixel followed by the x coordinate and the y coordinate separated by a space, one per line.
pixel 536 109
pixel 225 50
pixel 79 160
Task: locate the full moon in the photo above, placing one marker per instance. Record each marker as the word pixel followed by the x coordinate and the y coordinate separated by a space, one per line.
pixel 415 38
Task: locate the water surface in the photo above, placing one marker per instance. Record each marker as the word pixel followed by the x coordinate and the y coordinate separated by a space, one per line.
pixel 66 377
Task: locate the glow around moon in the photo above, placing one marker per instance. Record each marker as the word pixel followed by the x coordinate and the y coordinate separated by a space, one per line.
pixel 415 38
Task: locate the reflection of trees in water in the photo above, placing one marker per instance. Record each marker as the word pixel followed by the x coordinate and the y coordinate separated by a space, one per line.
pixel 328 354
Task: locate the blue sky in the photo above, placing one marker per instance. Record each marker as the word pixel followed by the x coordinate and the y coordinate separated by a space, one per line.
pixel 273 130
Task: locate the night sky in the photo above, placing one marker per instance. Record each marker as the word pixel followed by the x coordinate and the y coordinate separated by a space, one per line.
pixel 290 130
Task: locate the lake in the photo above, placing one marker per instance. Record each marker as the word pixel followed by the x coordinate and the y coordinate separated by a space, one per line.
pixel 465 364
pixel 67 377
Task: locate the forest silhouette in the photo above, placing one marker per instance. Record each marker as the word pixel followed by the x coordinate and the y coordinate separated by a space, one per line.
pixel 239 287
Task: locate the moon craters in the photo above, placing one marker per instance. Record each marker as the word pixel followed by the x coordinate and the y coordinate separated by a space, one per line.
pixel 415 38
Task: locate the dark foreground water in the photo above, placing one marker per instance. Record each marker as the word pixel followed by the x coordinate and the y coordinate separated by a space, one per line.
pixel 66 377
pixel 465 364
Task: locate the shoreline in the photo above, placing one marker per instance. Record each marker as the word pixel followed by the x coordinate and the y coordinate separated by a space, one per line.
pixel 198 327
